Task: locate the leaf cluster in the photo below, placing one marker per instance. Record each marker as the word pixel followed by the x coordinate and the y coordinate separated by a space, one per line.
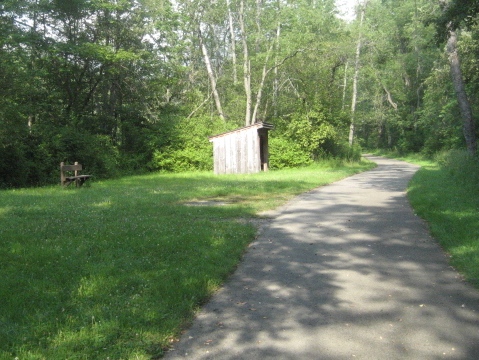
pixel 454 15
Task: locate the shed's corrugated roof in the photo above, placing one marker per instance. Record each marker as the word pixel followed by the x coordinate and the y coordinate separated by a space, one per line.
pixel 258 126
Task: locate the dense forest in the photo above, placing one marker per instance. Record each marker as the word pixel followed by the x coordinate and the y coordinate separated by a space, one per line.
pixel 128 86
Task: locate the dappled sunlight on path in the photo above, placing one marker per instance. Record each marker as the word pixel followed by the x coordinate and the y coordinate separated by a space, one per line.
pixel 343 271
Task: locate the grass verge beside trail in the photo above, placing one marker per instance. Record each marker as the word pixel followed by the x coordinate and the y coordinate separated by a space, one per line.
pixel 445 193
pixel 449 201
pixel 116 269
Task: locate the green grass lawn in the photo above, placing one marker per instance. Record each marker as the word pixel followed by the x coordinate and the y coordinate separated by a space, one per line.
pixel 445 193
pixel 451 208
pixel 117 268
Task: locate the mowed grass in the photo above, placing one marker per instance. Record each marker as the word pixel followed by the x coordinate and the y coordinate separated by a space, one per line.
pixel 117 269
pixel 450 204
pixel 445 193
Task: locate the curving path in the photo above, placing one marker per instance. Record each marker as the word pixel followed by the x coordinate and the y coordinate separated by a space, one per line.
pixel 346 271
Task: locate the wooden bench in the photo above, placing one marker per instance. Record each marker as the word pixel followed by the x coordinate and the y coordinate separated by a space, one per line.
pixel 67 179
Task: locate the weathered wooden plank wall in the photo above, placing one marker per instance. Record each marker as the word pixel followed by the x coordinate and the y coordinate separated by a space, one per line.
pixel 239 151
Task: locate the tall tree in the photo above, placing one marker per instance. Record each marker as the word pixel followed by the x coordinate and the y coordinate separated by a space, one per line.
pixel 211 74
pixel 246 64
pixel 233 41
pixel 454 12
pixel 362 12
pixel 462 98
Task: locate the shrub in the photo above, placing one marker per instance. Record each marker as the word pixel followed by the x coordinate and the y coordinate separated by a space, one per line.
pixel 187 159
pixel 463 166
pixel 342 150
pixel 25 163
pixel 310 130
pixel 190 148
pixel 284 153
pixel 96 153
pixel 13 166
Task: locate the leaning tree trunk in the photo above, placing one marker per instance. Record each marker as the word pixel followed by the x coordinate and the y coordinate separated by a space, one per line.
pixel 464 104
pixel 259 94
pixel 211 76
pixel 356 76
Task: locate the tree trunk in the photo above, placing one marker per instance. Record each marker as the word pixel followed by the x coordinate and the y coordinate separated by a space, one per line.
pixel 345 83
pixel 464 104
pixel 259 94
pixel 355 78
pixel 258 24
pixel 211 76
pixel 276 74
pixel 246 66
pixel 233 42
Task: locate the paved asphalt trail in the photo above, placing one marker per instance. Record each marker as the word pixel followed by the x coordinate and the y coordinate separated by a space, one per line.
pixel 346 271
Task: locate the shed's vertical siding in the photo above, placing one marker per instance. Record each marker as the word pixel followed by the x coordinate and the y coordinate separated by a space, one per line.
pixel 238 152
pixel 228 155
pixel 255 165
pixel 219 156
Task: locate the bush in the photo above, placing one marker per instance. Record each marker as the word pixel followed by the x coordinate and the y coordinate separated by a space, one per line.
pixel 310 130
pixel 284 153
pixel 13 166
pixel 190 148
pixel 96 153
pixel 25 163
pixel 463 166
pixel 186 159
pixel 342 150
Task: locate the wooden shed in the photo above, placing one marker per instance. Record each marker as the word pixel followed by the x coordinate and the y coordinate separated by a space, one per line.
pixel 242 151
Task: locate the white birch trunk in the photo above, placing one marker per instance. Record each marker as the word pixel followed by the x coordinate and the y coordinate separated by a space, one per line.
pixel 211 76
pixel 356 76
pixel 246 66
pixel 276 75
pixel 233 42
pixel 259 94
pixel 345 84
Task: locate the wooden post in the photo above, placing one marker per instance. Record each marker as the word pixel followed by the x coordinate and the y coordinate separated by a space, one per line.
pixel 77 181
pixel 62 175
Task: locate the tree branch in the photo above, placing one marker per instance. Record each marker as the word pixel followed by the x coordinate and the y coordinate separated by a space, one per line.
pixel 390 99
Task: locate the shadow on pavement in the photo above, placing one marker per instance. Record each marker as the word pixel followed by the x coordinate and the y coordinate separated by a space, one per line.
pixel 344 271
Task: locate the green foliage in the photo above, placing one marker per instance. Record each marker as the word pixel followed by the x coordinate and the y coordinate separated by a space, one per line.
pixel 469 50
pixel 285 153
pixel 190 158
pixel 455 13
pixel 121 74
pixel 342 150
pixel 310 130
pixel 190 149
pixel 462 167
pixel 87 81
pixel 95 152
pixel 438 119
pixel 13 167
pixel 25 163
pixel 308 135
